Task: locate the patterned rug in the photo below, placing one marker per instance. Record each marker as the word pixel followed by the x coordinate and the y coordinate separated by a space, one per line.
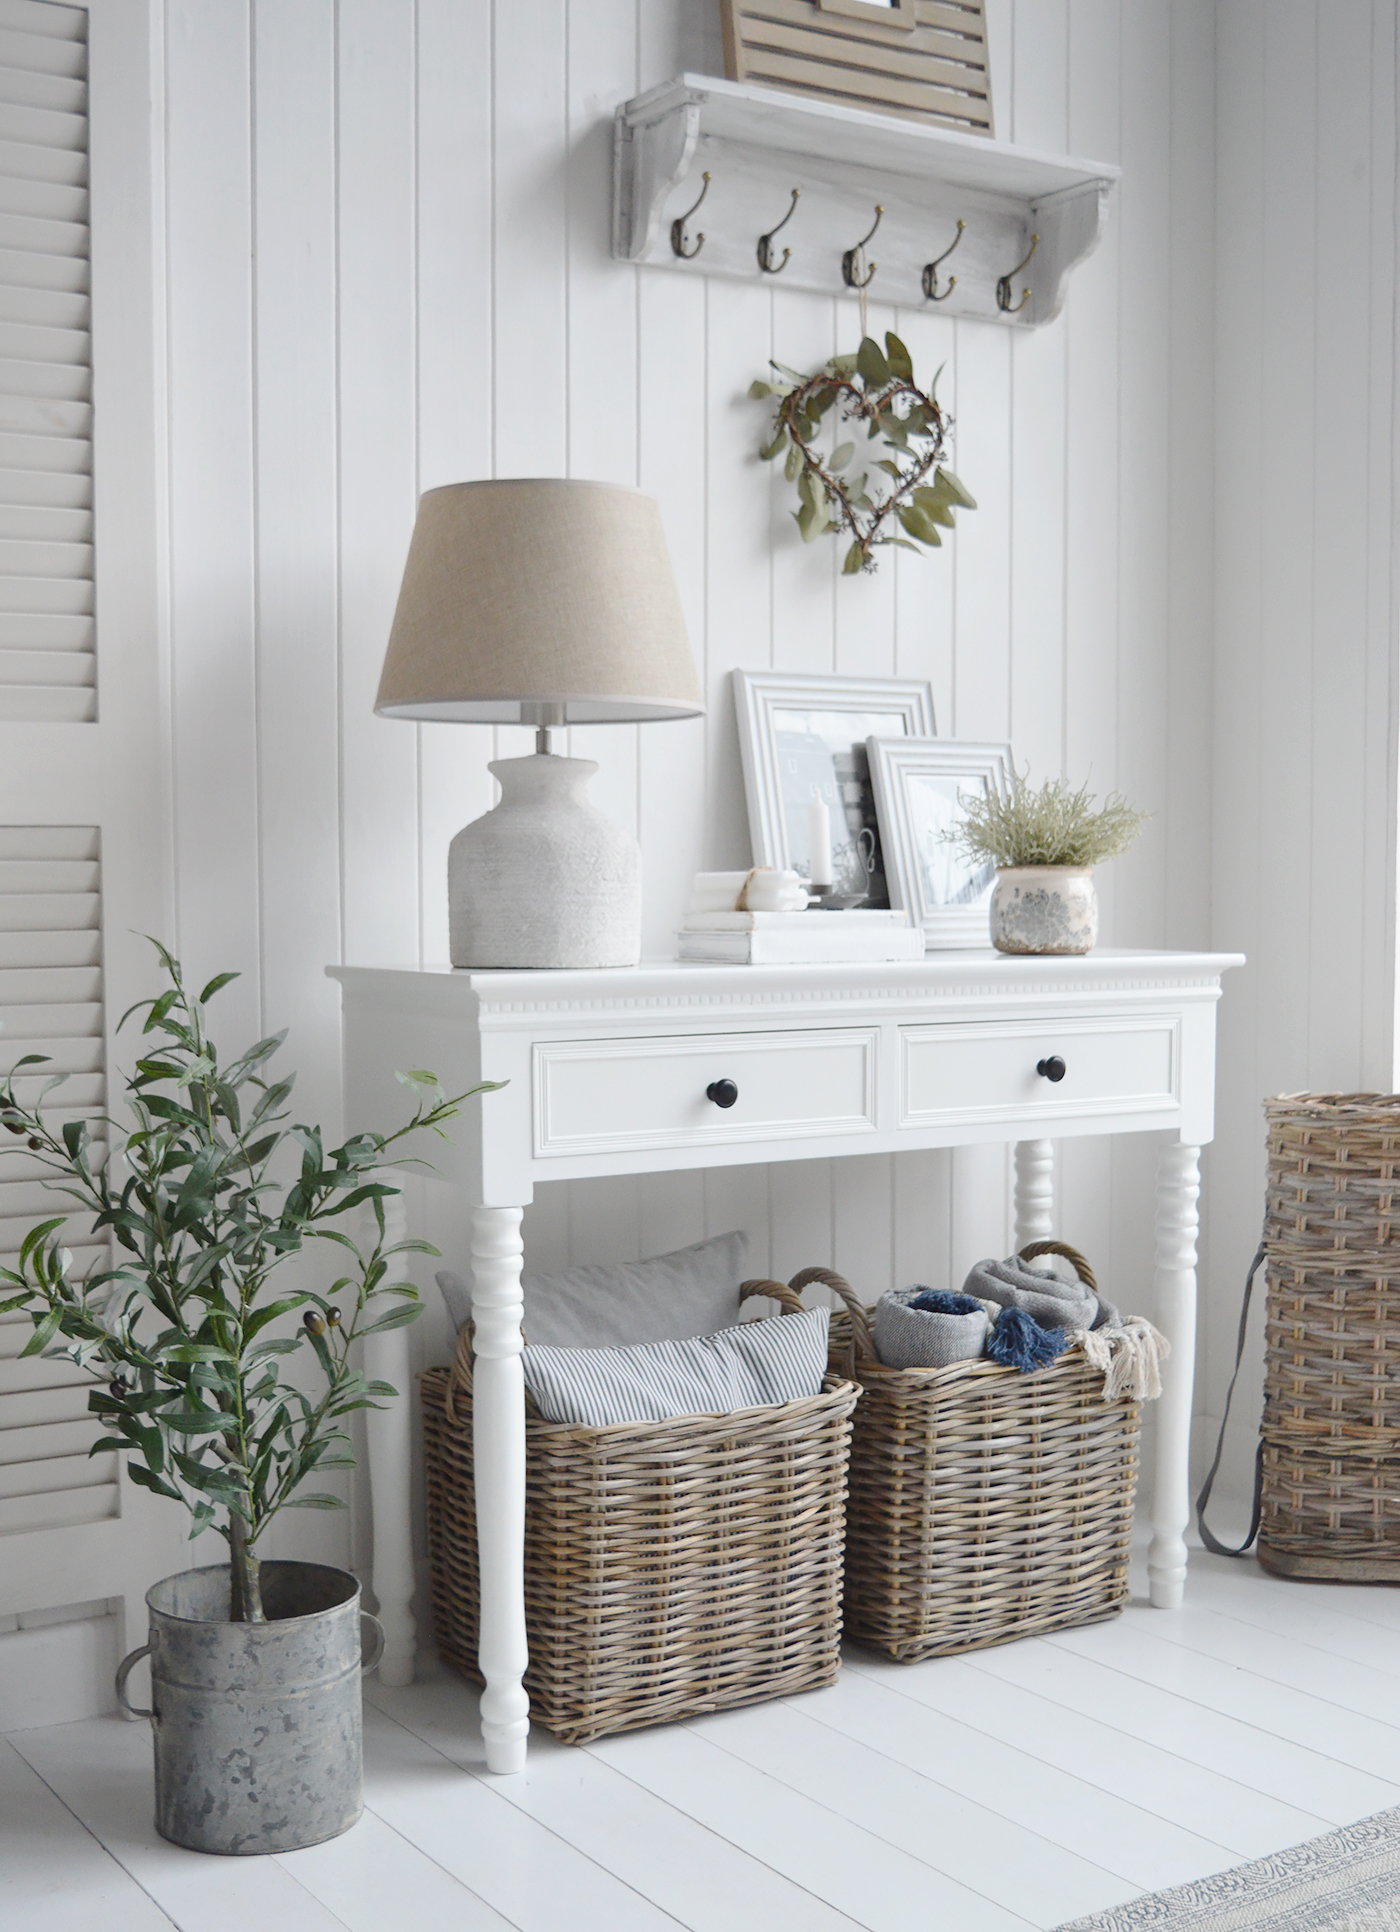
pixel 1348 1881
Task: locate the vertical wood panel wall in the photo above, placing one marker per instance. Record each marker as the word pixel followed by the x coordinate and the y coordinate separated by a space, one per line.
pixel 1305 619
pixel 388 269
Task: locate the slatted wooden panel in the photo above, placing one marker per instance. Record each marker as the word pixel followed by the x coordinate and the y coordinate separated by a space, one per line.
pixel 50 1003
pixel 929 62
pixel 47 665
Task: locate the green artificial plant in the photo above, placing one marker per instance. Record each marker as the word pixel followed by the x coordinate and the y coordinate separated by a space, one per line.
pixel 204 1199
pixel 1048 824
pixel 873 390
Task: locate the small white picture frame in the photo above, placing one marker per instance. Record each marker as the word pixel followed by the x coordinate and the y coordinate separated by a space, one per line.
pixel 918 784
pixel 803 737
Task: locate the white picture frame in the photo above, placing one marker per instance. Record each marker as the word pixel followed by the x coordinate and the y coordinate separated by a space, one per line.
pixel 777 711
pixel 918 783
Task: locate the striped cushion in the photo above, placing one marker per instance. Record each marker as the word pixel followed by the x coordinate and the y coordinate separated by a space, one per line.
pixel 752 1366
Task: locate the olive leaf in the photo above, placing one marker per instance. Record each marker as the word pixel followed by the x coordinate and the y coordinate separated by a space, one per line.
pixel 202 1207
pixel 874 390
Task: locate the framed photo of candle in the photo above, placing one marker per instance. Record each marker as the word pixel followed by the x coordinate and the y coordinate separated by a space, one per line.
pixel 803 742
pixel 921 788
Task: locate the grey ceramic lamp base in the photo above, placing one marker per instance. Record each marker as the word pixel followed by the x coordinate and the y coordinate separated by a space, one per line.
pixel 545 879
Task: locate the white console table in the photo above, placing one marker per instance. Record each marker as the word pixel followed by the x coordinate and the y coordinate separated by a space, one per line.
pixel 611 1072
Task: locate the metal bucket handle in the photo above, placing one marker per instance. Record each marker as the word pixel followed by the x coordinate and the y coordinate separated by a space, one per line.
pixel 367 1664
pixel 124 1670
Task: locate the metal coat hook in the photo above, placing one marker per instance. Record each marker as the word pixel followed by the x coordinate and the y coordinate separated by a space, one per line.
pixel 1004 302
pixel 678 246
pixel 853 259
pixel 765 242
pixel 931 270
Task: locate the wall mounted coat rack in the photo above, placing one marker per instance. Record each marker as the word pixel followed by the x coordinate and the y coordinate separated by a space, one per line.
pixel 1021 222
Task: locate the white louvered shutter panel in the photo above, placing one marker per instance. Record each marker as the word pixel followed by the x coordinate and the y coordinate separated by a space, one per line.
pixel 47 664
pixel 50 1003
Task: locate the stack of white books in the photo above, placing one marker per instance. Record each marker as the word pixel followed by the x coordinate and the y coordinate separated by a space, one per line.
pixel 800 938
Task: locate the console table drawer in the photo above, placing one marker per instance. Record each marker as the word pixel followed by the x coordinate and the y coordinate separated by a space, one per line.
pixel 614 1096
pixel 990 1071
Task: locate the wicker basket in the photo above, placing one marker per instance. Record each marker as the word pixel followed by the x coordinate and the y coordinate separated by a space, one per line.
pixel 986 1504
pixel 671 1568
pixel 1330 1497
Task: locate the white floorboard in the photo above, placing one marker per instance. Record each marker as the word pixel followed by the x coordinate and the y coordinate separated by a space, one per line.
pixel 53 1872
pixel 1008 1788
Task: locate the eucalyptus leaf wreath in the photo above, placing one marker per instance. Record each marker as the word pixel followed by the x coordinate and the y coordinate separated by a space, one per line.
pixel 873 390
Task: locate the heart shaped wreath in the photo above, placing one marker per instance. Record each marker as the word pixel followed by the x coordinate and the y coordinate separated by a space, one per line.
pixel 873 389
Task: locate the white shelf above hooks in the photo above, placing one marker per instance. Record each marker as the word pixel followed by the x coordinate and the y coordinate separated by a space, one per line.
pixel 757 145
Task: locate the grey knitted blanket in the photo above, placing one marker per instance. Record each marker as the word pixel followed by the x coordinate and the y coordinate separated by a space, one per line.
pixel 1049 1299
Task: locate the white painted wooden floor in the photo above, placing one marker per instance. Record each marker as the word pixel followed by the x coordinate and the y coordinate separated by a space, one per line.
pixel 1017 1787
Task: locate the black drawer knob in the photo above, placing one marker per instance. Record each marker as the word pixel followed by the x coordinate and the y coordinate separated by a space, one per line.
pixel 1051 1069
pixel 723 1092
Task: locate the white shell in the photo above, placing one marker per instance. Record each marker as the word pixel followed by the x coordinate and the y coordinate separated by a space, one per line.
pixel 546 879
pixel 1044 909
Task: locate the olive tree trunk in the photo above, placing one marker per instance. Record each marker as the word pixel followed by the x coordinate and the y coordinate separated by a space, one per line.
pixel 245 1568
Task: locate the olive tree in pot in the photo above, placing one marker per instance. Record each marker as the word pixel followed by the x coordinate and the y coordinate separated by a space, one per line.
pixel 255 1664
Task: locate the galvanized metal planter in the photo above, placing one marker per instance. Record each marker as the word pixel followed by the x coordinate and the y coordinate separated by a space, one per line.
pixel 257 1726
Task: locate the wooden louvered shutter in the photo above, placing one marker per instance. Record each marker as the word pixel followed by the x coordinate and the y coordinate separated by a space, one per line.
pixel 50 1004
pixel 46 587
pixel 85 842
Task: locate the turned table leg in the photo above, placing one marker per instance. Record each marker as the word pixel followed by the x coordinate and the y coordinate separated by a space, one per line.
pixel 389 1435
pixel 1178 1189
pixel 1035 1191
pixel 498 1443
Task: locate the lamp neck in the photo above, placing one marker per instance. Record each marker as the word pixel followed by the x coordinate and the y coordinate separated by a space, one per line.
pixel 545 714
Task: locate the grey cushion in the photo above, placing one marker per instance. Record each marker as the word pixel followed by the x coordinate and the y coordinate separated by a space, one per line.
pixel 694 1291
pixel 754 1365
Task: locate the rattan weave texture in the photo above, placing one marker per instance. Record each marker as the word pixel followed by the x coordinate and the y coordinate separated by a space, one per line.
pixel 986 1504
pixel 671 1568
pixel 1330 1502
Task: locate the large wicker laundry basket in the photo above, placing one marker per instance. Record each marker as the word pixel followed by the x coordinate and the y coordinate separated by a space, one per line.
pixel 986 1504
pixel 1330 1480
pixel 671 1567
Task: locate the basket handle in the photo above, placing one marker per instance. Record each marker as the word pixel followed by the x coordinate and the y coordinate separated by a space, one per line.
pixel 862 1343
pixel 790 1303
pixel 461 1376
pixel 1072 1255
pixel 459 1382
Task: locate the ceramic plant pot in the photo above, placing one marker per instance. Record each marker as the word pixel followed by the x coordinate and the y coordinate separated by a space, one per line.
pixel 1044 909
pixel 257 1726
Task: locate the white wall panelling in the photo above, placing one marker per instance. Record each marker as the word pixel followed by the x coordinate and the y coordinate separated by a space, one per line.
pixel 388 257
pixel 1305 611
pixel 386 241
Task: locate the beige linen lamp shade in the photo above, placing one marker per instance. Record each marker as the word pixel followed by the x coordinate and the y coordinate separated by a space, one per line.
pixel 540 601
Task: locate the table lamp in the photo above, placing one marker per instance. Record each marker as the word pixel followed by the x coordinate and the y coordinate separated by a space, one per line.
pixel 542 602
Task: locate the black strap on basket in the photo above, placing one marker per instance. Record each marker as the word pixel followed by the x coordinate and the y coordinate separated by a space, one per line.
pixel 1208 1537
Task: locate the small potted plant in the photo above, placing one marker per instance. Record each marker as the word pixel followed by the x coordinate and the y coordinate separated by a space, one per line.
pixel 255 1664
pixel 1045 841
